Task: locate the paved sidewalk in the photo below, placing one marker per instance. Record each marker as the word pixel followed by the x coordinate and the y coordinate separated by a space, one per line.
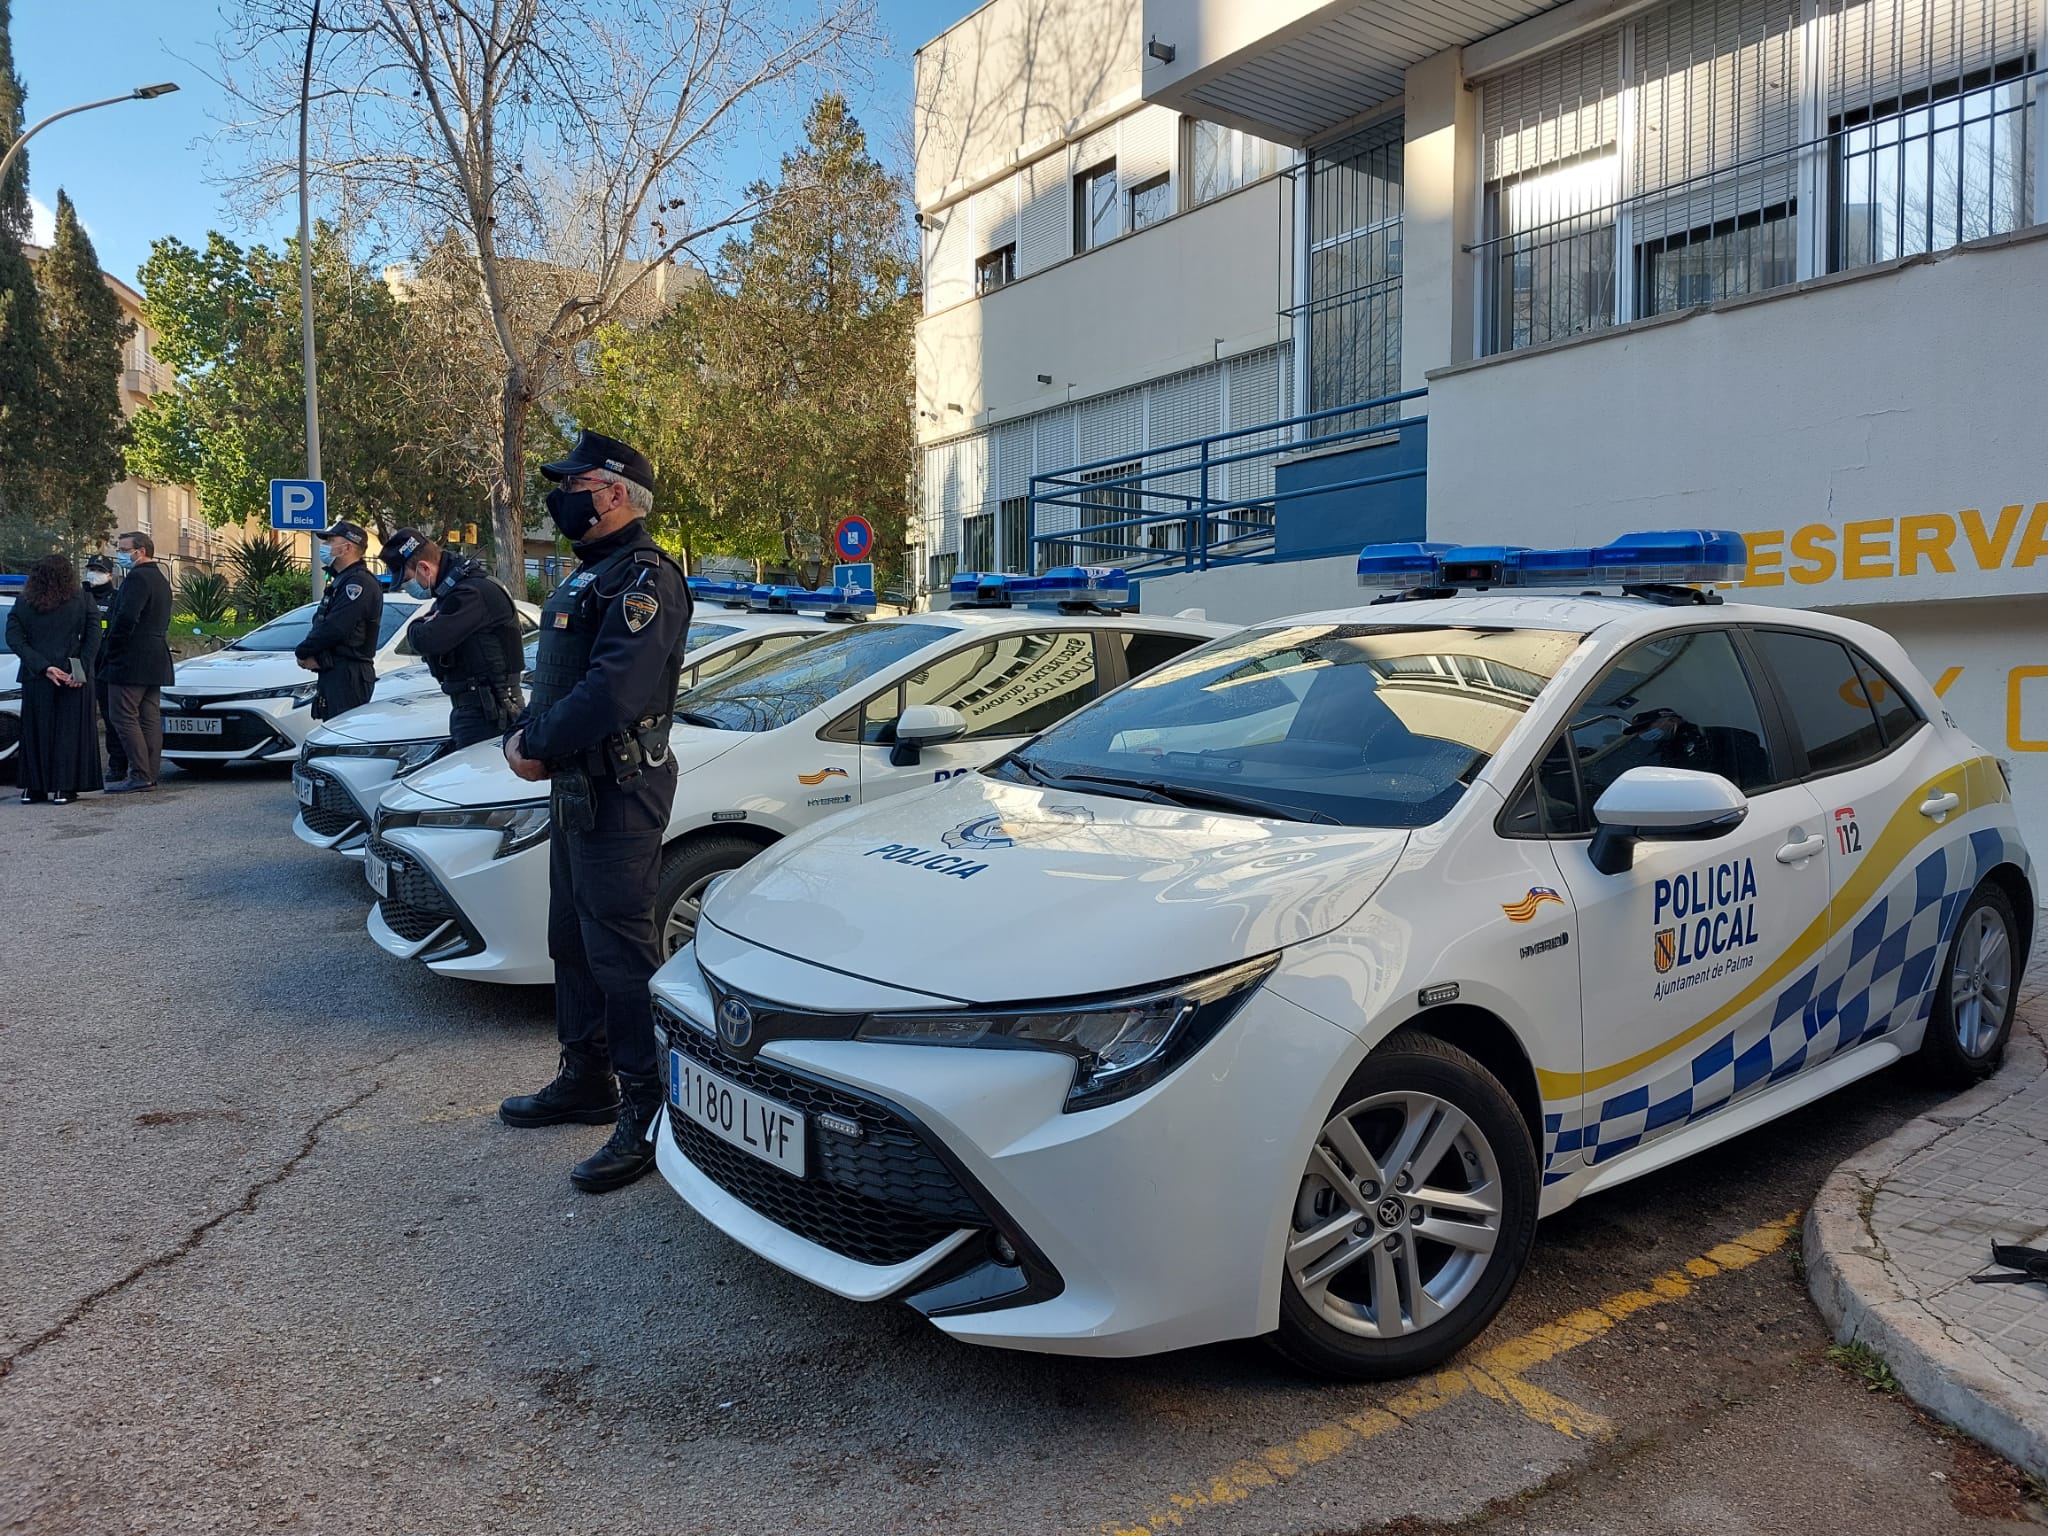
pixel 1898 1229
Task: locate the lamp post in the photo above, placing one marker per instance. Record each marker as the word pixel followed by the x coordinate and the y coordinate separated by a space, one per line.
pixel 306 292
pixel 140 93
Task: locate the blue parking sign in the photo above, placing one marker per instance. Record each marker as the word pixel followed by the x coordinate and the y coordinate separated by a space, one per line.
pixel 298 505
pixel 862 575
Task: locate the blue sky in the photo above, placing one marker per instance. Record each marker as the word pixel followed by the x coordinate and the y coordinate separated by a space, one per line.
pixel 139 170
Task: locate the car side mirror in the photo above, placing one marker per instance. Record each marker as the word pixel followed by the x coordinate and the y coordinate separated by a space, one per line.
pixel 921 726
pixel 1661 805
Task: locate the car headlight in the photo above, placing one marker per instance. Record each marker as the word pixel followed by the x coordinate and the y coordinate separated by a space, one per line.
pixel 1121 1044
pixel 298 693
pixel 523 825
pixel 408 755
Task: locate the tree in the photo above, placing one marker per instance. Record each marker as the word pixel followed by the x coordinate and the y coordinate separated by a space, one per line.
pixel 227 322
pixel 569 147
pixel 82 422
pixel 774 400
pixel 24 347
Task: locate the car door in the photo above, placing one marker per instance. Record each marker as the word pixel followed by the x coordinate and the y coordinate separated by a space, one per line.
pixel 1697 963
pixel 1896 873
pixel 1009 686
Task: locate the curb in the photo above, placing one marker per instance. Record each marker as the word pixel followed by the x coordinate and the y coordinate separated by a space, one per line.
pixel 1954 1377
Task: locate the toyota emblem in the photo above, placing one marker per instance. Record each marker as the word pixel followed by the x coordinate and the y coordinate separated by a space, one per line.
pixel 735 1023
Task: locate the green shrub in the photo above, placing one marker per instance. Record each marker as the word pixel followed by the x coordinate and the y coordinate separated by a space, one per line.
pixel 205 597
pixel 536 589
pixel 267 578
pixel 281 590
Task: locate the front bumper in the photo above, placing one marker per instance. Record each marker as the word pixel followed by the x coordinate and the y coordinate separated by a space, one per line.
pixel 1152 1224
pixel 344 806
pixel 251 730
pixel 460 909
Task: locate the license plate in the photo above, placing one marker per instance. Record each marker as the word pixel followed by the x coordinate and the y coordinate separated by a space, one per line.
pixel 378 873
pixel 772 1132
pixel 302 786
pixel 192 725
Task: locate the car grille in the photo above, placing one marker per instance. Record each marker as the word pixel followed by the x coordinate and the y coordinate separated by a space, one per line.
pixel 332 811
pixel 881 1199
pixel 417 905
pixel 240 731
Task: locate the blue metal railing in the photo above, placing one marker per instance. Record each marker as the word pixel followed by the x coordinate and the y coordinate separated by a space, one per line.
pixel 1134 521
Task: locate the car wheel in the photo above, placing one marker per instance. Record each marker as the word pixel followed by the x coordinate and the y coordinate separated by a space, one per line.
pixel 1413 1218
pixel 199 768
pixel 687 870
pixel 1973 1001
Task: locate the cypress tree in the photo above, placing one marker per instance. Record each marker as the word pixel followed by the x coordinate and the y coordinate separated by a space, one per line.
pixel 24 355
pixel 82 419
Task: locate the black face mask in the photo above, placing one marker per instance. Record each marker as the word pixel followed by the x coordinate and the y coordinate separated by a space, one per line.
pixel 572 512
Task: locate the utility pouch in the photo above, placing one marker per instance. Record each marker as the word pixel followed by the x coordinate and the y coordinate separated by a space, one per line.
pixel 572 809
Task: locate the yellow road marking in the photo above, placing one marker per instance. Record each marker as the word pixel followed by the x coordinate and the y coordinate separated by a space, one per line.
pixel 1496 1374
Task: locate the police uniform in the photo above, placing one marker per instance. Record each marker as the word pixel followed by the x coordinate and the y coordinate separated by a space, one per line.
pixel 603 692
pixel 469 639
pixel 342 641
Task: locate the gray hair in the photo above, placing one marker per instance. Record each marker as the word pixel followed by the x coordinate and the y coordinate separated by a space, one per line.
pixel 638 497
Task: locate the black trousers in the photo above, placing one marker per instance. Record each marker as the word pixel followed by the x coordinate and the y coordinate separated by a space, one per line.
pixel 117 756
pixel 472 719
pixel 601 932
pixel 343 686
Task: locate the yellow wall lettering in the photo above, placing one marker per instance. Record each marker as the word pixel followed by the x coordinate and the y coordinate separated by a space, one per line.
pixel 1766 559
pixel 1808 544
pixel 2035 544
pixel 1926 537
pixel 2013 681
pixel 1989 549
pixel 1866 549
pixel 1947 679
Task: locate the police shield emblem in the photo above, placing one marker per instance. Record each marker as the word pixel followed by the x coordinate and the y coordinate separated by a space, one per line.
pixel 1667 949
pixel 640 609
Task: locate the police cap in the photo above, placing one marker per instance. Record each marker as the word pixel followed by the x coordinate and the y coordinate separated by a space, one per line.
pixel 594 450
pixel 353 532
pixel 400 548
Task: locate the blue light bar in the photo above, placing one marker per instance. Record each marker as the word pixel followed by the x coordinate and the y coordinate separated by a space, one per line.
pixel 1399 565
pixel 733 594
pixel 1671 558
pixel 13 581
pixel 832 602
pixel 1101 586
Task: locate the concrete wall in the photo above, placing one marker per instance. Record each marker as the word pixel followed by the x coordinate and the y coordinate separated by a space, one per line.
pixel 1013 78
pixel 1210 282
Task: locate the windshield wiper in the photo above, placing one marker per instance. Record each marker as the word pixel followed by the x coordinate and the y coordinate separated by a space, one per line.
pixel 1031 771
pixel 692 717
pixel 1163 793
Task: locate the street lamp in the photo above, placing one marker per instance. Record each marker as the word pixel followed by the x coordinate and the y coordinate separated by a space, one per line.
pixel 140 93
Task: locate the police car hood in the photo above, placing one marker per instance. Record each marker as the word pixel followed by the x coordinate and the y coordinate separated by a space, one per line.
pixel 479 775
pixel 991 892
pixel 238 672
pixel 417 714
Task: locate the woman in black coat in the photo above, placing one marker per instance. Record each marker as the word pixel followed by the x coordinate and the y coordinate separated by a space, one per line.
pixel 52 624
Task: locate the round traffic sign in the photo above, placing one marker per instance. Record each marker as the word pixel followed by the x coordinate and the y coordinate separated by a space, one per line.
pixel 853 538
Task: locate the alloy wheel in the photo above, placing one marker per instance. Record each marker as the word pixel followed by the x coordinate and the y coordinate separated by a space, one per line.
pixel 681 926
pixel 1980 982
pixel 1398 1215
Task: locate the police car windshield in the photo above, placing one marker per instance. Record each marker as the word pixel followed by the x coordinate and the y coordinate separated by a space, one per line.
pixel 704 634
pixel 285 632
pixel 766 695
pixel 5 604
pixel 1369 725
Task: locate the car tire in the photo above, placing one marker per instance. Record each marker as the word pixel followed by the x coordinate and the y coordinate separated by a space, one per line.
pixel 201 768
pixel 1974 997
pixel 1347 1247
pixel 686 869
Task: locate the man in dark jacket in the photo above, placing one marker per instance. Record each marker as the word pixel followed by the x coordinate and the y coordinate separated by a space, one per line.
pixel 341 645
pixel 138 661
pixel 101 583
pixel 468 636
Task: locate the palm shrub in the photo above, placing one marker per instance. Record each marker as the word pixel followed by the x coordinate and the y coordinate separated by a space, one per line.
pixel 253 565
pixel 205 597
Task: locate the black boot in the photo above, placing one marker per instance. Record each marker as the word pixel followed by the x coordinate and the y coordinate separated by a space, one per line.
pixel 583 1093
pixel 629 1153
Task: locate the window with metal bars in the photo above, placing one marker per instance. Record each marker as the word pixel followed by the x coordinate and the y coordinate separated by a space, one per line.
pixel 1014 534
pixel 1710 148
pixel 1354 273
pixel 978 541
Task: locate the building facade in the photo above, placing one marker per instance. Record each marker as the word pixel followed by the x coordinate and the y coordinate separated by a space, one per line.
pixel 1769 265
pixel 169 514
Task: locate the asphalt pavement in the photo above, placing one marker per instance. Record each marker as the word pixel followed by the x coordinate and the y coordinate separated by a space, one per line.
pixel 271 1263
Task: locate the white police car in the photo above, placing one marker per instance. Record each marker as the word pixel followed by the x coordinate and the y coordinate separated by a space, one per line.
pixel 873 709
pixel 252 702
pixel 10 679
pixel 1280 992
pixel 348 763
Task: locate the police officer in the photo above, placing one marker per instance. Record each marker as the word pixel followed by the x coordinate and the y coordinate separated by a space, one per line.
pixel 341 645
pixel 611 648
pixel 469 637
pixel 101 582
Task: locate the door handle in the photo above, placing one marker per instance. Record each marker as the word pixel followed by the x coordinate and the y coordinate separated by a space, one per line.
pixel 1802 850
pixel 1934 807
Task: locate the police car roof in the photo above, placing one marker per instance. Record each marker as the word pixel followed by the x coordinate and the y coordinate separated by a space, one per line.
pixel 1038 618
pixel 1580 613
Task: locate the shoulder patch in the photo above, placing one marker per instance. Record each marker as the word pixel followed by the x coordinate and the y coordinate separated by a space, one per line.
pixel 352 591
pixel 640 609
